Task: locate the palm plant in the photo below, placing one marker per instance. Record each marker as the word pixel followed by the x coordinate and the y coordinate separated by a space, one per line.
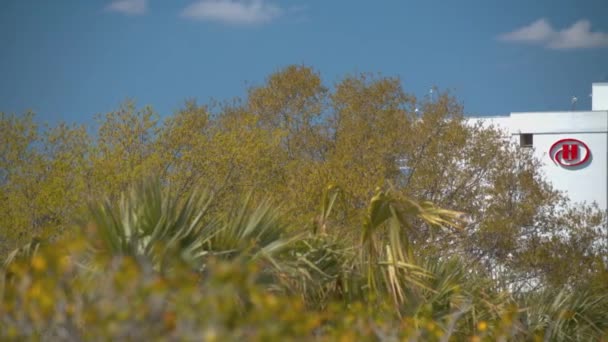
pixel 567 315
pixel 385 242
pixel 314 268
pixel 26 251
pixel 254 229
pixel 385 270
pixel 150 222
pixel 461 296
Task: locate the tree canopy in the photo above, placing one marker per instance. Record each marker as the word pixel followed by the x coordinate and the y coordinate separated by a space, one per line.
pixel 294 140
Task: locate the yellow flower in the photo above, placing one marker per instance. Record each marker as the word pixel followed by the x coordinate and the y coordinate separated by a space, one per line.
pixel 272 302
pixel 35 291
pixel 482 326
pixel 46 303
pixel 38 263
pixel 65 264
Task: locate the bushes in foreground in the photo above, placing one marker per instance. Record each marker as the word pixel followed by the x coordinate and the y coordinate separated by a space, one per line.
pixel 157 267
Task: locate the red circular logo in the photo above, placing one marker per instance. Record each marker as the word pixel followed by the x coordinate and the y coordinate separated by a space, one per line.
pixel 569 152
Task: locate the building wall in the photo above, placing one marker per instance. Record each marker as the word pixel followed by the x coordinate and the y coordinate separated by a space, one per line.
pixel 599 96
pixel 585 183
pixel 582 184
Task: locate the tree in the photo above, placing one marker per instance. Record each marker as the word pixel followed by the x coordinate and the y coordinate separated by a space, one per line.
pixel 42 178
pixel 125 150
pixel 290 138
pixel 522 254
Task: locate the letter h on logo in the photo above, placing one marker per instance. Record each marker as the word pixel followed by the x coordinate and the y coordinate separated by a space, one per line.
pixel 569 152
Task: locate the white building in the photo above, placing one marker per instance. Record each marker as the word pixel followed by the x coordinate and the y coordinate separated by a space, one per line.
pixel 573 145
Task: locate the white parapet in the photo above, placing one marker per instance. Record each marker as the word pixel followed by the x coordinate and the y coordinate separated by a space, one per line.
pixel 599 96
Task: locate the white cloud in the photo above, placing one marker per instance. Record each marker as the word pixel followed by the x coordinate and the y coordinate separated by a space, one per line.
pixel 540 32
pixel 579 35
pixel 233 11
pixel 131 7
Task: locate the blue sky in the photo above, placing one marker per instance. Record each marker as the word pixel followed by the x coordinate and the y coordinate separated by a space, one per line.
pixel 70 59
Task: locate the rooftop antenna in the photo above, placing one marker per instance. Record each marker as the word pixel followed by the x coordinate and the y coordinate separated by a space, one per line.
pixel 573 102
